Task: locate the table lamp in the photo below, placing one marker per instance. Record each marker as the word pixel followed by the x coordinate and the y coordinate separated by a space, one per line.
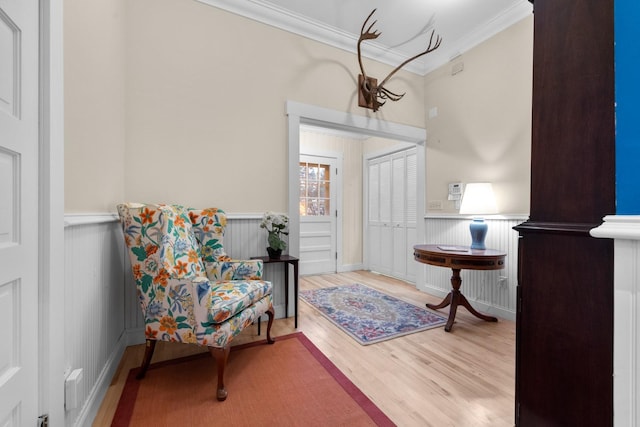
pixel 478 199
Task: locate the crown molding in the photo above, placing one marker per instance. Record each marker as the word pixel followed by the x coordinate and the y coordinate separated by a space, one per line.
pixel 301 25
pixel 284 19
pixel 507 18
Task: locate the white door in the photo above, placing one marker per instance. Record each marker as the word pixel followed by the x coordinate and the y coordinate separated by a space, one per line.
pixel 398 215
pixel 391 213
pixel 18 212
pixel 380 232
pixel 374 225
pixel 411 214
pixel 318 215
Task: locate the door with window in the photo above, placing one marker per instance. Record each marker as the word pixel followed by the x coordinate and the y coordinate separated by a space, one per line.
pixel 318 214
pixel 391 214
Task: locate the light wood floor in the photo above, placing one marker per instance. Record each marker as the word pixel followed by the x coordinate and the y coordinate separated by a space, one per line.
pixel 464 378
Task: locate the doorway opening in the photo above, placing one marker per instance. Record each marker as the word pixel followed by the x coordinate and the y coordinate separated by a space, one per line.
pixel 300 115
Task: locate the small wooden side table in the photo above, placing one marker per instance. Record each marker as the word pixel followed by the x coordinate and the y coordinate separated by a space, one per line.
pixel 286 260
pixel 457 258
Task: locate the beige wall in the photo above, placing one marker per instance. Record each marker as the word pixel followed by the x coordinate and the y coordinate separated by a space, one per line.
pixel 94 40
pixel 177 101
pixel 483 128
pixel 205 102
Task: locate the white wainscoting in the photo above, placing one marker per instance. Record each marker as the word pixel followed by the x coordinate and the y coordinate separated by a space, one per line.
pixel 491 292
pixel 94 325
pixel 626 318
pixel 102 312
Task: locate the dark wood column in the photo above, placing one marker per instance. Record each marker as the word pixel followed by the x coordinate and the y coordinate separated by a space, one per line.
pixel 564 341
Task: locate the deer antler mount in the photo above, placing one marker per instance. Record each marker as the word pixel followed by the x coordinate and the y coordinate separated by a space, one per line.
pixel 371 94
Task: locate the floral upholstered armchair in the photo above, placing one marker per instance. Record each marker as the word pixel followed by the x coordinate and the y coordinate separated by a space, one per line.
pixel 189 290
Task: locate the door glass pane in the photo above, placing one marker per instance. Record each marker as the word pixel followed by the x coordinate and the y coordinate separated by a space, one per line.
pixel 323 172
pixel 303 206
pixel 323 207
pixel 313 173
pixel 324 189
pixel 313 189
pixel 312 207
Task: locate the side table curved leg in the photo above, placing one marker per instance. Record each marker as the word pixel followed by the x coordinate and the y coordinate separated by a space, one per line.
pixel 445 302
pixel 455 298
pixel 473 311
pixel 449 299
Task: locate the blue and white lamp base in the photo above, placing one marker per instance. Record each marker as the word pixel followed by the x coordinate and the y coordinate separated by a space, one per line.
pixel 478 230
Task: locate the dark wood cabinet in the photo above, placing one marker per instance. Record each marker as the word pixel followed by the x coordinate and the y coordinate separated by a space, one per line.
pixel 564 338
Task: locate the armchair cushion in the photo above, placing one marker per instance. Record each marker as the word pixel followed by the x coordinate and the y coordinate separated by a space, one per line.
pixel 225 299
pixel 234 269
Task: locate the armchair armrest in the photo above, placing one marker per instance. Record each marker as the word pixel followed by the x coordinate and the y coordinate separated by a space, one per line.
pixel 234 269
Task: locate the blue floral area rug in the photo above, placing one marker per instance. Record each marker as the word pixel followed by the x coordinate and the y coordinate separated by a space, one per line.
pixel 368 315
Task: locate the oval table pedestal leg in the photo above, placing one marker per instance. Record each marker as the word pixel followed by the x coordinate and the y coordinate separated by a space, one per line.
pixel 455 298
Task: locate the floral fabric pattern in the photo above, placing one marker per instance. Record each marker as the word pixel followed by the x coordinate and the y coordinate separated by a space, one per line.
pixel 178 301
pixel 209 226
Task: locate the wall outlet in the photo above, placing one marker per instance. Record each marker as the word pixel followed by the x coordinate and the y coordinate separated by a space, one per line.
pixel 71 389
pixel 434 205
pixel 456 68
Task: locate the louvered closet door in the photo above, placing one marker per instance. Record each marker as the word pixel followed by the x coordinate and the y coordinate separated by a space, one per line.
pixel 411 211
pixel 373 216
pixel 398 215
pixel 391 214
pixel 386 233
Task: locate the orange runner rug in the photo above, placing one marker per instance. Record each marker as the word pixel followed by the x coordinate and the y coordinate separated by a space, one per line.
pixel 289 383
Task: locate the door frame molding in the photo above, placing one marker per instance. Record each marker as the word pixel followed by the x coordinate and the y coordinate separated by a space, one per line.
pixel 301 114
pixel 51 369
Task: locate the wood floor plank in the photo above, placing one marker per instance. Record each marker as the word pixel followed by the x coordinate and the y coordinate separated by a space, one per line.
pixel 465 378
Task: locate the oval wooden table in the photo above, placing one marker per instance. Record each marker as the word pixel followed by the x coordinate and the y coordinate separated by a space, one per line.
pixel 458 258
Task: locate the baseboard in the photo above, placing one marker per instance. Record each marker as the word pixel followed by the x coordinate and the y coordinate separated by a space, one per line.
pixel 97 394
pixel 350 267
pixel 135 336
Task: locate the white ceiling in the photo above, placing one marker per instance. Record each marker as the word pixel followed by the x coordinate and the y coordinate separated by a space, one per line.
pixel 405 25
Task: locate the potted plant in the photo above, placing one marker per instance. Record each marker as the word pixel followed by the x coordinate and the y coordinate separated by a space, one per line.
pixel 276 225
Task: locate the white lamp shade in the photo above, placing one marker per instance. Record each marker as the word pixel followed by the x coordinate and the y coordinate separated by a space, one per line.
pixel 478 199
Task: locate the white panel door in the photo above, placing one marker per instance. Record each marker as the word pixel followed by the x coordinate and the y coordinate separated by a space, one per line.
pixel 318 215
pixel 18 212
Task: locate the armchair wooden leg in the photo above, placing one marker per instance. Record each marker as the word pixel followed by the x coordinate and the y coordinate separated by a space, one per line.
pixel 270 313
pixel 221 354
pixel 146 361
